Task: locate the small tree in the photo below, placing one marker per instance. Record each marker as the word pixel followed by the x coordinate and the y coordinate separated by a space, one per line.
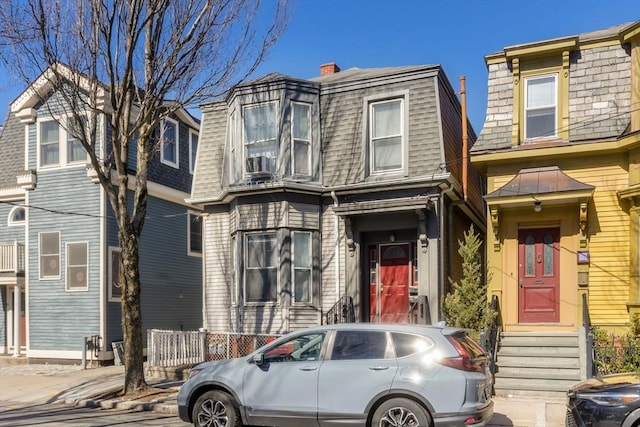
pixel 466 306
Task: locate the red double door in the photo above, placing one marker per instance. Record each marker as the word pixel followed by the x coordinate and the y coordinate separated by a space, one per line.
pixel 390 277
pixel 538 275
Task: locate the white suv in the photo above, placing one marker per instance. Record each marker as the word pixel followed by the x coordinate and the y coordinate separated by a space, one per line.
pixel 358 374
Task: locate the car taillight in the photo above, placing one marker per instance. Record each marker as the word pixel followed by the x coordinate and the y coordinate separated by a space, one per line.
pixel 463 361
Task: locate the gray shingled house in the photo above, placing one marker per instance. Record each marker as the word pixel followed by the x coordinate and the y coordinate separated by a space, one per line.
pixel 338 198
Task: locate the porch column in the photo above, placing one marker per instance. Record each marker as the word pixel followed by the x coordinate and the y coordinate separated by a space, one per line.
pixel 16 320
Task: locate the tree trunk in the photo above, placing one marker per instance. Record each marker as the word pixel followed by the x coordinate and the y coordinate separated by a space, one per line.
pixel 131 314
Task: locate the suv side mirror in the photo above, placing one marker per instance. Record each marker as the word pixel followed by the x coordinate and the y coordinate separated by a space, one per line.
pixel 258 359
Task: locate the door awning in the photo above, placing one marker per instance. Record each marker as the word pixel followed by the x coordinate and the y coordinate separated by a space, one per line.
pixel 536 187
pixel 548 185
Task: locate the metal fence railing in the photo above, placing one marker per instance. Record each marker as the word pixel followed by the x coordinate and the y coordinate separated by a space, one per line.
pixel 230 345
pixel 617 355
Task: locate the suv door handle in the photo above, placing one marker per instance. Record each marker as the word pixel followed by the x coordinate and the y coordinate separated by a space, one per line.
pixel 378 368
pixel 308 368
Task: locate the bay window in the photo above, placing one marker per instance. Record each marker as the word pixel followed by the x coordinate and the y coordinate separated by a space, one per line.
pixel 260 137
pixel 301 139
pixel 261 272
pixel 302 266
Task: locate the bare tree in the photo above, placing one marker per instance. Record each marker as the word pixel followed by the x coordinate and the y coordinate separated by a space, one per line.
pixel 134 62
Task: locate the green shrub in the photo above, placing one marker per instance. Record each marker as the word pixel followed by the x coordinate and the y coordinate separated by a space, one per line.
pixel 467 306
pixel 617 353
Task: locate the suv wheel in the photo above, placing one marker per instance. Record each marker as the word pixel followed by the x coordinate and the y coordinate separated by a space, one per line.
pixel 400 412
pixel 215 409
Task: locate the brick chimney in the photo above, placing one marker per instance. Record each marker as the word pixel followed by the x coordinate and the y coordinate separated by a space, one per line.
pixel 329 68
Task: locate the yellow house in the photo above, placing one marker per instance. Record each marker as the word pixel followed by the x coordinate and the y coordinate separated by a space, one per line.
pixel 560 154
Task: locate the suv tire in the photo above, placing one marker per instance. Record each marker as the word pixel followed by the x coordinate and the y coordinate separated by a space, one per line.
pixel 400 412
pixel 216 409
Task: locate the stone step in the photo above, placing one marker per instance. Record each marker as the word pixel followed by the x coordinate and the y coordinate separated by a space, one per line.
pixel 555 385
pixel 530 393
pixel 539 351
pixel 538 362
pixel 536 341
pixel 538 373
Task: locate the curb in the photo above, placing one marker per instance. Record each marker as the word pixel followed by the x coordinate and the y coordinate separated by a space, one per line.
pixel 125 405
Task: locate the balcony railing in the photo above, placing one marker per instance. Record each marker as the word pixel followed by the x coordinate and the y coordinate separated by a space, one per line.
pixel 12 257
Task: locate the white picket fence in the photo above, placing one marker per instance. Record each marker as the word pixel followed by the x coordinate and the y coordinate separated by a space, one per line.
pixel 175 348
pixel 179 348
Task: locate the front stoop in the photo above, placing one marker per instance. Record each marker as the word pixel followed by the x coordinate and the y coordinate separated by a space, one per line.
pixel 544 364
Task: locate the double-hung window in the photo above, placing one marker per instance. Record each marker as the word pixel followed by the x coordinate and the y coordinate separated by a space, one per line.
pixel 49 255
pixel 60 145
pixel 261 272
pixel 195 234
pixel 77 266
pixel 169 143
pixel 301 137
pixel 75 150
pixel 302 265
pixel 386 134
pixel 193 150
pixel 115 287
pixel 260 137
pixel 541 98
pixel 49 143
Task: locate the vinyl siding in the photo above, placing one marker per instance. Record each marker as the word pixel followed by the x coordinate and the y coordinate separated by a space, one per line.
pixel 219 275
pixel 59 319
pixel 170 279
pixel 9 234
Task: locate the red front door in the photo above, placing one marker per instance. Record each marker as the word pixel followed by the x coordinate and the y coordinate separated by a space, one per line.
pixel 538 273
pixel 389 298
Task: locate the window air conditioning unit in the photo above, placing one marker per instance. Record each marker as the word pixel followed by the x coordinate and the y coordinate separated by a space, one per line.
pixel 258 165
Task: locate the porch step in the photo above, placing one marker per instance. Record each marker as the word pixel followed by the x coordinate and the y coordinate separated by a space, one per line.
pixel 537 364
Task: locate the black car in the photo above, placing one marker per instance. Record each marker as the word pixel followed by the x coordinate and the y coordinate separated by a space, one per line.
pixel 605 402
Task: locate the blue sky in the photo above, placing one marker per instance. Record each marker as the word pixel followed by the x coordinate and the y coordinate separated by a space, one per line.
pixel 456 34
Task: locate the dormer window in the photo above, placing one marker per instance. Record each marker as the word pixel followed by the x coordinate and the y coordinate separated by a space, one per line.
pixel 386 129
pixel 540 106
pixel 301 137
pixel 169 143
pixel 260 138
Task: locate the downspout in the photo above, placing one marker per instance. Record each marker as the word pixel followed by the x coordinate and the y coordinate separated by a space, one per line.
pixel 336 225
pixel 465 137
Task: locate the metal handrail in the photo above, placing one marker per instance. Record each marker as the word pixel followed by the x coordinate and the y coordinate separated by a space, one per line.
pixel 586 323
pixel 341 312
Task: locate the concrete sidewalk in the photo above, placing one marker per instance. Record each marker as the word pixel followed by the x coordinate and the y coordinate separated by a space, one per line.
pixel 96 387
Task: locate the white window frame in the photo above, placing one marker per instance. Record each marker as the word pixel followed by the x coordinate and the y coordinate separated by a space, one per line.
pixel 190 250
pixel 41 275
pixel 526 103
pixel 176 143
pixel 275 266
pixel 112 281
pixel 13 223
pixel 371 103
pixel 68 265
pixel 69 138
pixel 64 138
pixel 294 267
pixel 193 152
pixel 307 141
pixel 245 144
